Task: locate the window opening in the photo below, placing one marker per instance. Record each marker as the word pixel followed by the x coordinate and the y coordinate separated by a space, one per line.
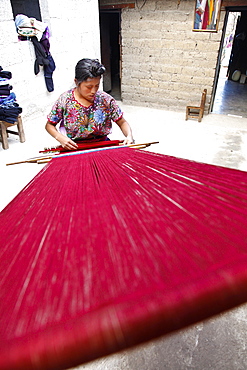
pixel 30 8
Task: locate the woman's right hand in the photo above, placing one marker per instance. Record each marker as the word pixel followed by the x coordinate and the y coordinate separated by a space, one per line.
pixel 66 142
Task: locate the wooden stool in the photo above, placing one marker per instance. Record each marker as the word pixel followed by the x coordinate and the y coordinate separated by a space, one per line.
pixel 4 131
pixel 197 112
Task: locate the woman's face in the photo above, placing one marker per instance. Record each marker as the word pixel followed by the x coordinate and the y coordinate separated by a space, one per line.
pixel 87 89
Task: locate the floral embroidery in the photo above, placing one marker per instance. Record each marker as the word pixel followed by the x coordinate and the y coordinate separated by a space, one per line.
pixel 80 121
pixel 99 116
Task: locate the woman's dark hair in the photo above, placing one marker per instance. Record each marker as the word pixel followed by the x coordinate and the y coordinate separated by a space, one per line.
pixel 88 68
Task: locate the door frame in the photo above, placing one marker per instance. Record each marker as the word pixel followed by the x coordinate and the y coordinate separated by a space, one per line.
pixel 218 64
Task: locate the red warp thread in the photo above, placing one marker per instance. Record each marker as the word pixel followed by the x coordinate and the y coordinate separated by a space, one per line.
pixel 105 250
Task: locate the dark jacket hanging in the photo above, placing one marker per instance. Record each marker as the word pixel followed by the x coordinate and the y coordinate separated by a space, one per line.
pixel 44 58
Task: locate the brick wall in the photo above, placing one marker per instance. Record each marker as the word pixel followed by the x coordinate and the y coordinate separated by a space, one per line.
pixel 74 35
pixel 165 64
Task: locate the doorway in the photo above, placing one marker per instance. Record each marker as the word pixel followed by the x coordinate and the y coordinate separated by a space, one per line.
pixel 110 33
pixel 231 83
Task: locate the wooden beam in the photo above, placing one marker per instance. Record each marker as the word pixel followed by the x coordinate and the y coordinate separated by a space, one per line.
pixel 118 6
pixel 227 3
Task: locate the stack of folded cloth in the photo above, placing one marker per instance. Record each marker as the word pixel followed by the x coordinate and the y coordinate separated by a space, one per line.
pixel 9 108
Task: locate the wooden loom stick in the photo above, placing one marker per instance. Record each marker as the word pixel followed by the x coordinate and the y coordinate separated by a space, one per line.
pixel 46 159
pixel 133 146
pixel 32 160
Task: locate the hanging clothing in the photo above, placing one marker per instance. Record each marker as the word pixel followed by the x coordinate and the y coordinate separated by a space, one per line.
pixel 44 58
pixel 38 33
pixel 41 58
pixel 48 71
pixel 50 68
pixel 28 27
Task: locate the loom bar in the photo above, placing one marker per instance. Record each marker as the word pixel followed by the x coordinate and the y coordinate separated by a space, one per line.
pixel 46 159
pixel 137 146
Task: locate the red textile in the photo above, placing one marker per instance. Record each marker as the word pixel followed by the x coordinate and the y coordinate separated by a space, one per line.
pixel 129 246
pixel 84 145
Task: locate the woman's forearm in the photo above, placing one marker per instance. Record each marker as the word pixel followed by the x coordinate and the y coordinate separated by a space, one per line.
pixel 51 129
pixel 126 130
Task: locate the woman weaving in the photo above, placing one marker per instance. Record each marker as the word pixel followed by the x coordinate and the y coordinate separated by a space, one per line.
pixel 83 112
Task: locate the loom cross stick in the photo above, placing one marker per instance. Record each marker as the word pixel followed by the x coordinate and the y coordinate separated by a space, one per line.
pixel 46 159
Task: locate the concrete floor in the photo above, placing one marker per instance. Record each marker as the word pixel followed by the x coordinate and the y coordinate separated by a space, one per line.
pixel 219 343
pixel 230 97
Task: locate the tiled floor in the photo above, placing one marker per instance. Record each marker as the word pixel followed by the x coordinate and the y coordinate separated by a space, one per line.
pixel 230 96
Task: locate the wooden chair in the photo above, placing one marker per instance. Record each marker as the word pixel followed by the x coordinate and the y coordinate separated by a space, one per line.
pixel 197 112
pixel 4 131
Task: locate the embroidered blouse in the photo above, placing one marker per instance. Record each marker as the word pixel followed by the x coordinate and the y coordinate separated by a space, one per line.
pixel 80 121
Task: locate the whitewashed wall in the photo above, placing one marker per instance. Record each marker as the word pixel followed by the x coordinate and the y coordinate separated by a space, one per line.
pixel 75 34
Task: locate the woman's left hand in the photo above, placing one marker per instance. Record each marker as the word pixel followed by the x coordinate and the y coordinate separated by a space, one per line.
pixel 128 140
